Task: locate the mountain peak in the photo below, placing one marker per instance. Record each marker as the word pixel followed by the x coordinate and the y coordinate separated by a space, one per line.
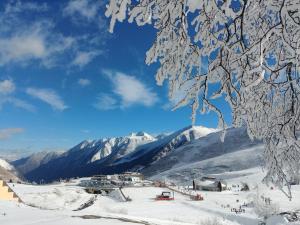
pixel 141 134
pixel 200 130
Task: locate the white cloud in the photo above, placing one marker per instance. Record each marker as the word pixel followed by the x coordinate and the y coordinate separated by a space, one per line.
pixel 84 82
pixel 88 9
pixel 22 47
pixel 9 132
pixel 130 90
pixel 48 96
pixel 19 103
pixel 35 43
pixel 16 6
pixel 84 58
pixel 42 41
pixel 7 87
pixel 24 41
pixel 106 102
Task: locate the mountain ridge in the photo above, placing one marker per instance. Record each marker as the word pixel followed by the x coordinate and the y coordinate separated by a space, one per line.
pixel 105 155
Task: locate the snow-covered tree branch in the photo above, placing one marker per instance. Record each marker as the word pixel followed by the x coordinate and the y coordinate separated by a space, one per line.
pixel 249 49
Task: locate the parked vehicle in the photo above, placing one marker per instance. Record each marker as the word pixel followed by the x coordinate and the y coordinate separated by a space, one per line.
pixel 165 195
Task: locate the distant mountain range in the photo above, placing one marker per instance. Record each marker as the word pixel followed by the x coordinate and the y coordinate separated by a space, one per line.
pixel 136 151
pixel 180 156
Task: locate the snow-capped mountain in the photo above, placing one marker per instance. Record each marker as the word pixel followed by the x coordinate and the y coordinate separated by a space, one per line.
pixel 33 161
pixel 157 150
pixel 93 151
pixel 112 155
pixel 7 171
pixel 85 152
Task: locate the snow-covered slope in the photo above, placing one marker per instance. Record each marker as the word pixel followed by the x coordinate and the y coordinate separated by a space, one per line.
pixel 6 165
pixel 209 154
pixel 7 171
pixel 112 155
pixel 235 161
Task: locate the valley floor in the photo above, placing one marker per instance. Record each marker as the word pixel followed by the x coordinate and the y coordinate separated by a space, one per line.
pixel 55 205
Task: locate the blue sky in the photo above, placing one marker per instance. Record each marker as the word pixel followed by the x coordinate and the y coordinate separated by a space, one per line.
pixel 64 78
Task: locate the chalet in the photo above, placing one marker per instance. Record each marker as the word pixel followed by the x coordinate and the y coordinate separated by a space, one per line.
pixel 131 177
pixel 209 185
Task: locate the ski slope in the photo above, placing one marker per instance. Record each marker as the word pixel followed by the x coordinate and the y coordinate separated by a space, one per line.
pixel 55 204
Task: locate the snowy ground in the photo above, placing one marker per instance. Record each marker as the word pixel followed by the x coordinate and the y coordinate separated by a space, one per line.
pixel 54 205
